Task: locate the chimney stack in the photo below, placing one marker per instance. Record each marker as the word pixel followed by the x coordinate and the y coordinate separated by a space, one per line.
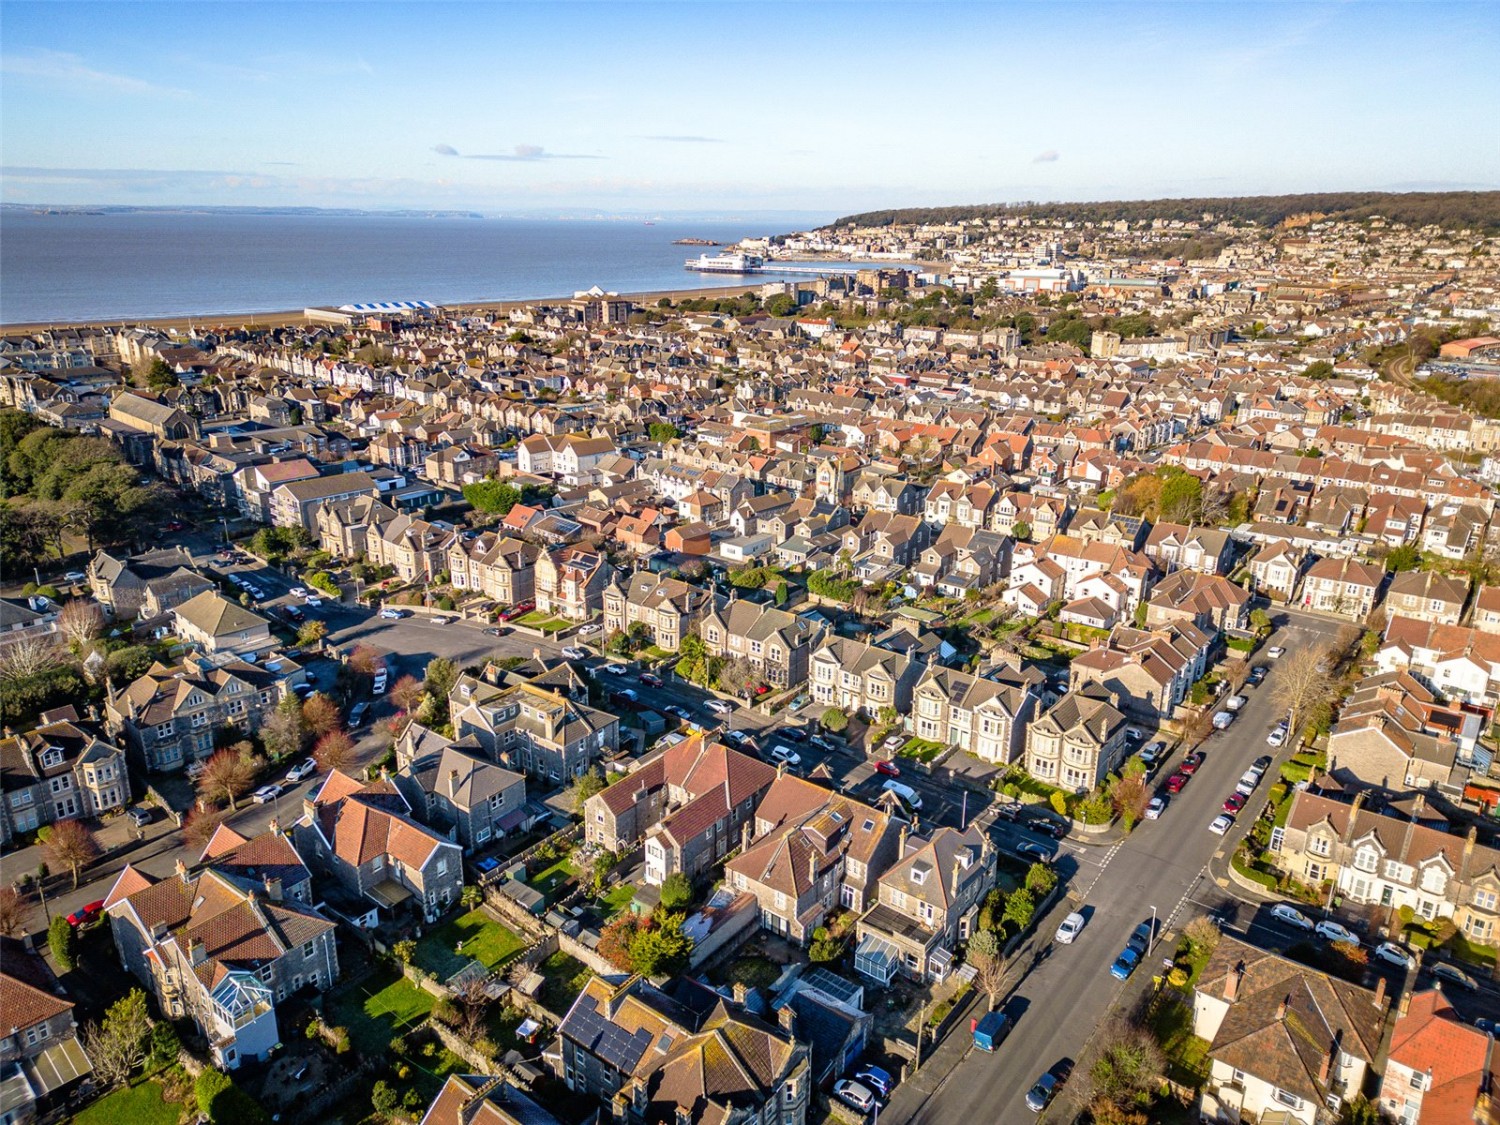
pixel 452 782
pixel 741 992
pixel 274 828
pixel 196 952
pixel 787 1017
pixel 1327 1067
pixel 957 877
pixel 1232 982
pixel 1281 1010
pixel 1380 993
pixel 273 888
pixel 1405 1004
pixel 812 867
pixel 901 842
pixel 182 871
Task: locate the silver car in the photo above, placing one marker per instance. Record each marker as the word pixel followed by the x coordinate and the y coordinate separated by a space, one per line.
pixel 1330 930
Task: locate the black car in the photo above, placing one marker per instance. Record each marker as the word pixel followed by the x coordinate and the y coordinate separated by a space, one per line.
pixel 1262 763
pixel 1257 674
pixel 1048 827
pixel 1140 938
pixel 795 734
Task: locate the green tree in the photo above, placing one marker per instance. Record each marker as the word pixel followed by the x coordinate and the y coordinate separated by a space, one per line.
pixel 835 720
pixel 384 1098
pixel 1404 557
pixel 676 891
pixel 661 949
pixel 1319 369
pixel 1019 908
pixel 312 633
pixel 589 782
pixel 492 496
pixel 603 864
pixel 472 896
pixel 441 676
pixel 405 951
pixel 1181 498
pixel 663 432
pixel 1040 879
pixel 1260 620
pixel 63 944
pixel 1021 530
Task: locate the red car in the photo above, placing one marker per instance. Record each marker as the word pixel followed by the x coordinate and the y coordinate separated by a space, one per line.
pixel 650 679
pixel 86 914
pixel 516 611
pixel 176 525
pixel 1176 782
pixel 1234 802
pixel 890 769
pixel 1191 763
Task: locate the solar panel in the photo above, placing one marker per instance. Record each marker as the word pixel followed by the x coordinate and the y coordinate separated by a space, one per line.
pixel 610 1042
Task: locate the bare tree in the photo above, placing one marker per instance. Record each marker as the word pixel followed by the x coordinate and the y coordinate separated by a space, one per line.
pixel 320 713
pixel 986 955
pixel 285 732
pixel 70 844
pixel 473 1001
pixel 1130 797
pixel 1302 683
pixel 227 775
pixel 199 825
pixel 365 660
pixel 118 1045
pixel 80 622
pixel 334 751
pixel 406 693
pixel 30 655
pixel 12 911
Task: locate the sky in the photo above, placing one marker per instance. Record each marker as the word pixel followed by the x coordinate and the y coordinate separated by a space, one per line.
pixel 802 106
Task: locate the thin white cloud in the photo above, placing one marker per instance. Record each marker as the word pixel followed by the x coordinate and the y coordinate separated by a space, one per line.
pixel 1051 156
pixel 525 154
pixel 66 68
pixel 685 139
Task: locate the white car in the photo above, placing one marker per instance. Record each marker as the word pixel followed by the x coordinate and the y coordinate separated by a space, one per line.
pixel 299 592
pixel 391 614
pixel 1393 954
pixel 1330 930
pixel 1235 702
pixel 572 653
pixel 738 737
pixel 615 669
pixel 894 742
pixel 1275 653
pixel 1221 824
pixel 1276 737
pixel 1222 719
pixel 786 754
pixel 589 630
pixel 266 794
pixel 856 1094
pixel 313 600
pixel 719 707
pixel 1291 916
pixel 305 768
pixel 1071 927
pixel 1155 807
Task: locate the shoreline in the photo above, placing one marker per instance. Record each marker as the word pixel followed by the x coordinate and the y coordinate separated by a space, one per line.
pixel 297 316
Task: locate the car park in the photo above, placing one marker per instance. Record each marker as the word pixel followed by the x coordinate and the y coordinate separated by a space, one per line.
pixel 1177 781
pixel 890 769
pixel 855 1094
pixel 786 754
pixel 1452 974
pixel 1041 1092
pixel 1393 954
pixel 86 914
pixel 1329 930
pixel 305 768
pixel 139 816
pixel 1276 652
pixel 1124 964
pixel 1156 806
pixel 1234 802
pixel 1291 916
pixel 1221 824
pixel 1071 927
pixel 571 653
pixel 718 707
pixel 877 1078
pixel 1222 719
pixel 266 794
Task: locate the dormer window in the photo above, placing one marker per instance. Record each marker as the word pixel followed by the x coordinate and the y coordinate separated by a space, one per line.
pixel 1365 859
pixel 51 757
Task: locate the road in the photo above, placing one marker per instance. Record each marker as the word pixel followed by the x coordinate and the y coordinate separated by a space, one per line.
pixel 1162 865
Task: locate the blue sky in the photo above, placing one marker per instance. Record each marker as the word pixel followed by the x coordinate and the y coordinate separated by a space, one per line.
pixel 803 106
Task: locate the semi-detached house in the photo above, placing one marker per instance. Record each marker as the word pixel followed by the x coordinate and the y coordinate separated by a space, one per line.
pixel 58 771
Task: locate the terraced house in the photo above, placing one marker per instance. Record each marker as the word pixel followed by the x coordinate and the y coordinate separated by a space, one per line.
pixel 859 676
pixel 220 951
pixel 167 718
pixel 534 731
pixel 776 643
pixel 58 771
pixel 985 716
pixel 1393 863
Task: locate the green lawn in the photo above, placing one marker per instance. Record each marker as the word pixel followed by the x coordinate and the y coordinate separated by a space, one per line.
pixel 756 972
pixel 982 617
pixel 549 879
pixel 1187 1055
pixel 483 939
pixel 536 619
pixel 565 977
pixel 618 899
pixel 375 1010
pixel 921 749
pixel 134 1105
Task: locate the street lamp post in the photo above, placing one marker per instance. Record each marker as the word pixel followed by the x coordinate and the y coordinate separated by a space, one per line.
pixel 1152 944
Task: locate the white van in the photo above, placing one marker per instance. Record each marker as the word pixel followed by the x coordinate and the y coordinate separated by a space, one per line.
pixel 905 792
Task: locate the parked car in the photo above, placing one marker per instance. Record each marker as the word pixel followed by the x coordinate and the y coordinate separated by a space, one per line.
pixel 1041 1092
pixel 1156 806
pixel 294 615
pixel 1071 927
pixel 877 1078
pixel 990 1031
pixel 650 679
pixel 718 707
pixel 496 631
pixel 1221 824
pixel 1263 763
pixel 678 712
pixel 890 769
pixel 1177 781
pixel 738 737
pixel 786 754
pixel 855 1094
pixel 1393 954
pixel 1277 736
pixel 1141 937
pixel 589 630
pixel 139 816
pixel 1234 802
pixel 76 576
pixel 86 914
pixel 1152 755
pixel 625 696
pixel 822 743
pixel 1191 763
pixel 391 614
pixel 1451 974
pixel 795 734
pixel 299 592
pixel 1235 702
pixel 1124 964
pixel 894 742
pixel 912 798
pixel 1030 849
pixel 1291 916
pixel 1275 652
pixel 305 768
pixel 266 794
pixel 1329 930
pixel 1222 719
pixel 571 653
pixel 1257 676
pixel 1247 782
pixel 800 702
pixel 1047 826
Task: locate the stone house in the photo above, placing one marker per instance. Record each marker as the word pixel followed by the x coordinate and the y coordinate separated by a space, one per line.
pixel 59 770
pixel 1427 596
pixel 570 582
pixel 1342 586
pixel 473 800
pixel 777 644
pixel 541 733
pixel 858 676
pixel 667 607
pixel 1077 742
pixel 500 567
pixel 987 716
pixel 218 625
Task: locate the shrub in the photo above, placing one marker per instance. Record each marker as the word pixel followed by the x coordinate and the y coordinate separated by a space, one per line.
pixel 835 720
pixel 63 943
pixel 445 602
pixel 384 1097
pixel 1058 802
